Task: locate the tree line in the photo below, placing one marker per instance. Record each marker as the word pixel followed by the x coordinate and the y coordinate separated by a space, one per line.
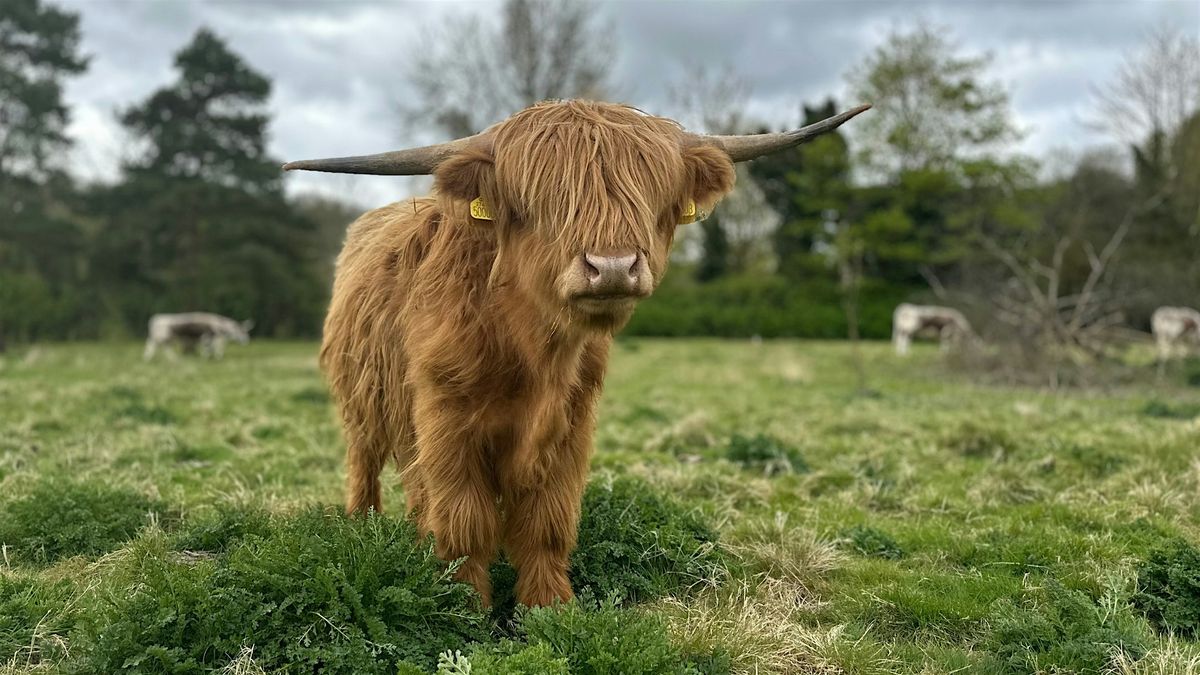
pixel 925 201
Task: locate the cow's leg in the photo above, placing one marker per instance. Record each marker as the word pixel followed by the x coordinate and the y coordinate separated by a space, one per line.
pixel 151 348
pixel 366 455
pixel 457 488
pixel 541 521
pixel 902 340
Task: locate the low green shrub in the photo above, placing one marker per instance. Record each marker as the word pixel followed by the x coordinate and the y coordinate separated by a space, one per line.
pixel 34 619
pixel 641 545
pixel 319 593
pixel 602 638
pixel 1168 589
pixel 1062 630
pixel 1166 410
pixel 870 542
pixel 972 440
pixel 216 531
pixel 60 518
pixel 765 453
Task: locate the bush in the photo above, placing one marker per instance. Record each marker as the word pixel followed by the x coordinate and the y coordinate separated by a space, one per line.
pixel 221 529
pixel 1058 629
pixel 320 593
pixel 764 453
pixel 641 545
pixel 1168 589
pixel 33 619
pixel 1164 410
pixel 60 518
pixel 870 542
pixel 769 306
pixel 601 638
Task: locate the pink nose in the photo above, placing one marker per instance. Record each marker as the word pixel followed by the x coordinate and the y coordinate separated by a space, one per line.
pixel 613 275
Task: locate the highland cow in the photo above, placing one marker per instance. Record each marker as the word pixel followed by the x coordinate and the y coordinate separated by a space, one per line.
pixel 468 333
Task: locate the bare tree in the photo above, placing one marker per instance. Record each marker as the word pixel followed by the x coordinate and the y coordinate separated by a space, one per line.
pixel 471 72
pixel 1156 89
pixel 714 101
pixel 1052 322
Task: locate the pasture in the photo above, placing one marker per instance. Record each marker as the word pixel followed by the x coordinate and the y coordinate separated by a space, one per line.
pixel 778 520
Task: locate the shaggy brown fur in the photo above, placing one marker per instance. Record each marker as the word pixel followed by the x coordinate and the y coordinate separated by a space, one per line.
pixel 453 346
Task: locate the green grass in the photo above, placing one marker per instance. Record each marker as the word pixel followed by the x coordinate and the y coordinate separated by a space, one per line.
pixel 167 517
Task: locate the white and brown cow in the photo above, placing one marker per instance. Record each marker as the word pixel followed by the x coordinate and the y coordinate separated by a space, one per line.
pixel 194 331
pixel 1173 328
pixel 946 324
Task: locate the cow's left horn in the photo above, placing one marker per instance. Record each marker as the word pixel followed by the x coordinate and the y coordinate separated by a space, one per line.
pixel 410 162
pixel 750 146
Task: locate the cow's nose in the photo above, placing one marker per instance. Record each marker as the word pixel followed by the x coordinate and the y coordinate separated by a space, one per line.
pixel 614 275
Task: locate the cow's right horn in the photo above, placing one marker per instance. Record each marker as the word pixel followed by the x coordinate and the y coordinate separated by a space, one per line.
pixel 410 162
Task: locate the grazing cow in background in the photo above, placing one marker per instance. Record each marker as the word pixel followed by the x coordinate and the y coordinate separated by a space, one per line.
pixel 468 332
pixel 909 321
pixel 194 331
pixel 1172 328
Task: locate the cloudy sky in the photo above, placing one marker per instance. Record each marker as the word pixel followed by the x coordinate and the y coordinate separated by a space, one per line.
pixel 338 65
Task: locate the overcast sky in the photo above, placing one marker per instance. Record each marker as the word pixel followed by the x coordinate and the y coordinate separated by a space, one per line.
pixel 338 65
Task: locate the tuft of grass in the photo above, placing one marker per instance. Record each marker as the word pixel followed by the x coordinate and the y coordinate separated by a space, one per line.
pixel 60 518
pixel 754 626
pixel 319 592
pixel 642 545
pixel 764 453
pixel 970 439
pixel 870 542
pixel 35 617
pixel 777 550
pixel 1168 589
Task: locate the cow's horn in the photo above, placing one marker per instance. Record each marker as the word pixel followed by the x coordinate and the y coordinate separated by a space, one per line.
pixel 743 148
pixel 410 162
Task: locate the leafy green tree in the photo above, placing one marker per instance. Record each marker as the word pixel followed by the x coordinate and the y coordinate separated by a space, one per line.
pixel 714 257
pixel 200 221
pixel 932 106
pixel 40 242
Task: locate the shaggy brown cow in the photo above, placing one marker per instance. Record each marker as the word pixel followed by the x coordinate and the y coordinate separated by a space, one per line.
pixel 469 330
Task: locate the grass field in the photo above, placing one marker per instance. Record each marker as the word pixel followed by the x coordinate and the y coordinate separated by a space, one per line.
pixel 931 526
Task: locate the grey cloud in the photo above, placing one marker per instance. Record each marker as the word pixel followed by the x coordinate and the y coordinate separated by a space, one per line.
pixel 338 66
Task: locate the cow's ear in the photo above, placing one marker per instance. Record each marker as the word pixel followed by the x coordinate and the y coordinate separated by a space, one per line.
pixel 711 174
pixel 466 175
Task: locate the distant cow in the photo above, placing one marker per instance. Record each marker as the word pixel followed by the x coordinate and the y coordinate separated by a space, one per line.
pixel 195 331
pixel 1172 328
pixel 469 331
pixel 946 324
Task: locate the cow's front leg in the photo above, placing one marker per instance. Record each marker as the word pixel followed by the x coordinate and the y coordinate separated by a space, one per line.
pixel 541 523
pixel 458 491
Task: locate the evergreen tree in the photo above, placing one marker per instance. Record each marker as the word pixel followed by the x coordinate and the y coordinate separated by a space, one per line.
pixel 40 244
pixel 200 222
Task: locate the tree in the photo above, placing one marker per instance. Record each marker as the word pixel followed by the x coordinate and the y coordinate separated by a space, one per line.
pixel 1156 90
pixel 471 73
pixel 40 241
pixel 932 107
pixel 39 48
pixel 199 221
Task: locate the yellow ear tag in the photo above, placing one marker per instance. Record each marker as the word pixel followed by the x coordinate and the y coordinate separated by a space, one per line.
pixel 479 210
pixel 691 214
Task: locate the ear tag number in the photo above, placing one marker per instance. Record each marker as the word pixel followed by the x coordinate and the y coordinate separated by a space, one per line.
pixel 479 210
pixel 691 214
